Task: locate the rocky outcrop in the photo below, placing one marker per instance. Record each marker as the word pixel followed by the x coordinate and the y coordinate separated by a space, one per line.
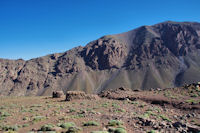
pixel 105 53
pixel 118 94
pixel 79 95
pixel 58 94
pixel 159 56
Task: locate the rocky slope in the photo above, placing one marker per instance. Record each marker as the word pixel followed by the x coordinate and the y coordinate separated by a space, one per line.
pixel 159 56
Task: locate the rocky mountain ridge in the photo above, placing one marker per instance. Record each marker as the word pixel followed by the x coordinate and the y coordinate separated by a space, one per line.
pixel 159 56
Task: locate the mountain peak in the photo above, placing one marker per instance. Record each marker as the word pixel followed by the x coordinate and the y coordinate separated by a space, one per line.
pixel 162 55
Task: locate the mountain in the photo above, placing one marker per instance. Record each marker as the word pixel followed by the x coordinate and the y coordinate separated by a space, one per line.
pixel 163 55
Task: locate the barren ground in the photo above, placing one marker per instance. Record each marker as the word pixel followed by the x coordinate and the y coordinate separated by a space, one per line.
pixel 169 110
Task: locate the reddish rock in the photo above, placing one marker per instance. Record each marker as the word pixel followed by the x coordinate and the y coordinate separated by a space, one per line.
pixel 58 94
pixel 78 95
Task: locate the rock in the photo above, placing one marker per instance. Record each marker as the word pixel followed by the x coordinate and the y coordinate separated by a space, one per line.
pixel 34 129
pixel 163 124
pixel 188 115
pixel 193 128
pixel 120 93
pixel 145 122
pixel 58 94
pixel 78 95
pixel 105 53
pixel 178 125
pixel 194 115
pixel 124 89
pixel 175 116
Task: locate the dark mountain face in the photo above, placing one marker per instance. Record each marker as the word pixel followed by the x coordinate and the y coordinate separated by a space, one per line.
pixel 163 55
pixel 105 53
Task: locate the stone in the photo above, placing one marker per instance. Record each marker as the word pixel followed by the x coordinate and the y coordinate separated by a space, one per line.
pixel 178 125
pixel 58 94
pixel 78 95
pixel 193 128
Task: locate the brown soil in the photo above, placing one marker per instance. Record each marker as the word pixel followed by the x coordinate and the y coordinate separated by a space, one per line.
pixel 169 110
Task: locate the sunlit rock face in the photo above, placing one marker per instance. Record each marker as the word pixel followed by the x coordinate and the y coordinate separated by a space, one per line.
pixel 159 56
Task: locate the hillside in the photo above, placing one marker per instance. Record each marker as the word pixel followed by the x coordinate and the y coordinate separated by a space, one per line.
pixel 164 55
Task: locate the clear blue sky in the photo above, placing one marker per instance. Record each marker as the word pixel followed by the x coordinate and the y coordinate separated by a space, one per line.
pixel 33 28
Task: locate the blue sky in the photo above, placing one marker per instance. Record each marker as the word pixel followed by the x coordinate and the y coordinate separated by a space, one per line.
pixel 33 28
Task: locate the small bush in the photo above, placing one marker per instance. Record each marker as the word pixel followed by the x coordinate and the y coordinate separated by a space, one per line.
pixel 114 123
pixel 25 118
pixel 47 127
pixel 91 123
pixel 194 95
pixel 10 128
pixel 117 130
pixel 99 132
pixel 165 118
pixel 115 105
pixel 38 118
pixel 4 114
pixel 25 125
pixel 67 125
pixel 11 132
pixel 73 129
pixel 72 110
pixel 120 130
pixel 152 131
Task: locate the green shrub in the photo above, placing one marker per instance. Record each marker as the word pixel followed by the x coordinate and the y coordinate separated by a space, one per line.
pixel 3 115
pixel 73 129
pixel 194 95
pixel 72 110
pixel 114 123
pixel 10 132
pixel 120 130
pixel 67 125
pixel 119 110
pixel 47 127
pixel 10 128
pixel 25 118
pixel 115 105
pixel 99 132
pixel 117 130
pixel 25 125
pixel 165 118
pixel 91 123
pixel 152 131
pixel 38 118
pixel 105 105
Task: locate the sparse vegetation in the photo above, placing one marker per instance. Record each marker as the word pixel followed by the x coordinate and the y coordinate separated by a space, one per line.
pixel 10 128
pixel 152 131
pixel 165 118
pixel 117 130
pixel 43 114
pixel 38 118
pixel 114 123
pixel 99 132
pixel 67 125
pixel 73 129
pixel 91 123
pixel 47 127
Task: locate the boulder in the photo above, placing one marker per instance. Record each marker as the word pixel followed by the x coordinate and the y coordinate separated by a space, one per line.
pixel 58 94
pixel 78 95
pixel 121 93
